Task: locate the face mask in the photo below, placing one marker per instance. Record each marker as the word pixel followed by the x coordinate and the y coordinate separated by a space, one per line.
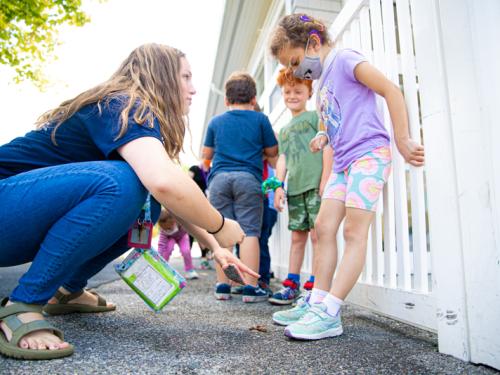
pixel 309 68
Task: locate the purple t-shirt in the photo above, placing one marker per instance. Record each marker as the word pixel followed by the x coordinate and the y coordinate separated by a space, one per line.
pixel 349 110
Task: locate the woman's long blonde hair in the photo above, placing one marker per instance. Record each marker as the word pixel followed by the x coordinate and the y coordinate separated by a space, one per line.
pixel 149 79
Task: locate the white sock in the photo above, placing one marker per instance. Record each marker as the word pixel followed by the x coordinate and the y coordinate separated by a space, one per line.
pixel 317 295
pixel 333 304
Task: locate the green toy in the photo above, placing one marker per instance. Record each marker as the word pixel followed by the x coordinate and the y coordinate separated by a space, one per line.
pixel 271 184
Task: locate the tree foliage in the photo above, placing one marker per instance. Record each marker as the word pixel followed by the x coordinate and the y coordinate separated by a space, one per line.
pixel 29 31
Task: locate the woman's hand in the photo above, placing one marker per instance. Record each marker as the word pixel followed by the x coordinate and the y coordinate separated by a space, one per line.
pixel 224 257
pixel 230 234
pixel 411 151
pixel 318 143
pixel 279 199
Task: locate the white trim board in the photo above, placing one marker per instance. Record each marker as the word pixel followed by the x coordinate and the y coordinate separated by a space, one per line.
pixel 413 308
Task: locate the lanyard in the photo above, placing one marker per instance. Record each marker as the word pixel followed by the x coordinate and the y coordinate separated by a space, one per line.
pixel 147 209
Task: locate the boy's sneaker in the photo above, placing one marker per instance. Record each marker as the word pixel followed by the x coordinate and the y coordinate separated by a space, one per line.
pixel 254 294
pixel 205 265
pixel 237 289
pixel 287 317
pixel 191 275
pixel 287 295
pixel 222 291
pixel 315 324
pixel 266 287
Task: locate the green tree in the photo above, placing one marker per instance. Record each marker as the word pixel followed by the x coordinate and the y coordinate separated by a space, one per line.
pixel 28 33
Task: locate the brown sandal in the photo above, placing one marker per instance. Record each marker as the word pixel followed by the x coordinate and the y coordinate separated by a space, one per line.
pixel 63 307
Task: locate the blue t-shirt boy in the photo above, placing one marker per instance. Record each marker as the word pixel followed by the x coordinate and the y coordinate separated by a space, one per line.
pixel 238 138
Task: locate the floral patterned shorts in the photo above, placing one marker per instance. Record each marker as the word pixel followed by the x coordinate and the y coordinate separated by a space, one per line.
pixel 360 185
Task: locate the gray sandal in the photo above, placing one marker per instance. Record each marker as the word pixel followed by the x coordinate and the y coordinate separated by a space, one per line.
pixel 63 307
pixel 8 314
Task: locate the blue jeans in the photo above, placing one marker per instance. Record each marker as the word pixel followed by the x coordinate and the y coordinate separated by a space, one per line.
pixel 68 220
pixel 268 220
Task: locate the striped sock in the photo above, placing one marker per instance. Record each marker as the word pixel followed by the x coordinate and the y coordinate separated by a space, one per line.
pixel 294 277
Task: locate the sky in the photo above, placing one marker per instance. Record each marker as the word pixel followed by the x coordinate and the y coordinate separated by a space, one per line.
pixel 90 54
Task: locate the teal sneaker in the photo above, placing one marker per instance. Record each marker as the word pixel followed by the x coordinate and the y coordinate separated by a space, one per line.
pixel 287 317
pixel 315 324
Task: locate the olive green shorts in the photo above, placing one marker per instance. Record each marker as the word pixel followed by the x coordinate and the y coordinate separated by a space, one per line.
pixel 303 209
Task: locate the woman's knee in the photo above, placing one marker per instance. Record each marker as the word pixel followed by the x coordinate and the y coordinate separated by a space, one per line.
pixel 123 175
pixel 131 193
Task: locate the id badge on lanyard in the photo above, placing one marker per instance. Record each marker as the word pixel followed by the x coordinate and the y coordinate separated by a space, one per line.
pixel 141 233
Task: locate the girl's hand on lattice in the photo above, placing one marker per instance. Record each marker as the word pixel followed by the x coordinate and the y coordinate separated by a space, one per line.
pixel 412 152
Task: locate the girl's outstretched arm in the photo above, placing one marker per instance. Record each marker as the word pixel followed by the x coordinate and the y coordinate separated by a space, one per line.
pixel 175 190
pixel 368 75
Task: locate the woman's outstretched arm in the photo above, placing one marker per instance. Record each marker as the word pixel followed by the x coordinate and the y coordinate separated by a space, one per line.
pixel 175 190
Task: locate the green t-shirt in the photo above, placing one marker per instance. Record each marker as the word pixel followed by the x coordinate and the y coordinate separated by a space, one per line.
pixel 304 167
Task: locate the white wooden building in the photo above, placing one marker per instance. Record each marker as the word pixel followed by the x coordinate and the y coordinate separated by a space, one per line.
pixel 434 249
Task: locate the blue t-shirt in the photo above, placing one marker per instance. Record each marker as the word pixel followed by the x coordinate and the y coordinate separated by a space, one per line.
pixel 238 138
pixel 86 136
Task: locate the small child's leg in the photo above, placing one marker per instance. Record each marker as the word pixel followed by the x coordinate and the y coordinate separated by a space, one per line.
pixel 366 180
pixel 330 216
pixel 250 256
pixel 356 228
pixel 221 276
pixel 165 246
pixel 297 250
pixel 312 205
pixel 314 241
pixel 185 249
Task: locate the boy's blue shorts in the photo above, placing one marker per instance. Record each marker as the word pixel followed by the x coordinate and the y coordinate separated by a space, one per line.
pixel 238 196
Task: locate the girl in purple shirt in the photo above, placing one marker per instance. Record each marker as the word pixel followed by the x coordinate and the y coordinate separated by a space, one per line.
pixel 346 103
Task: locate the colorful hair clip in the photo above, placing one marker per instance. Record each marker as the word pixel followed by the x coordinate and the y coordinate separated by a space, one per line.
pixel 305 18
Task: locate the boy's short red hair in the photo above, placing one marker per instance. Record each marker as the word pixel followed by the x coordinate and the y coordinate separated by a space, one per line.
pixel 286 76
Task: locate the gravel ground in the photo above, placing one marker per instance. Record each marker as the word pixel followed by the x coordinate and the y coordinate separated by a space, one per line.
pixel 195 334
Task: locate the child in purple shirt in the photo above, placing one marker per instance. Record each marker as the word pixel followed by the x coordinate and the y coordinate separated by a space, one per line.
pixel 346 102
